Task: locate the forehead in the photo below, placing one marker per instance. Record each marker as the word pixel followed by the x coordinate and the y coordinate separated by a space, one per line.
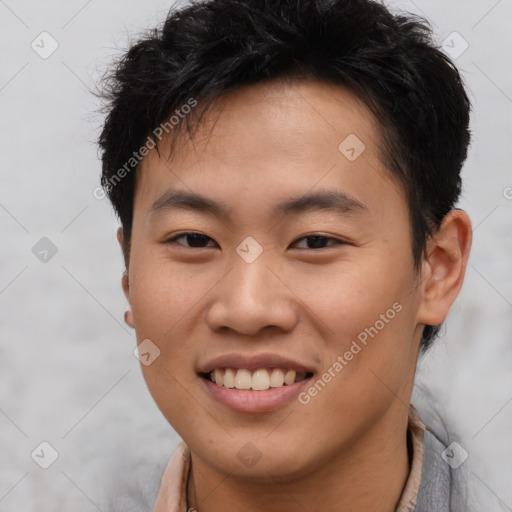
pixel 270 140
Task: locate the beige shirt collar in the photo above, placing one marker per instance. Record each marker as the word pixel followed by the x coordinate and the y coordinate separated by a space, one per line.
pixel 172 496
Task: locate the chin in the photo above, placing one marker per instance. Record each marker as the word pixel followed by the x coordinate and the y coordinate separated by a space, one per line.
pixel 255 459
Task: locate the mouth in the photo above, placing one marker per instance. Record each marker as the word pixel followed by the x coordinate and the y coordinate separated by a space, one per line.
pixel 254 383
pixel 260 379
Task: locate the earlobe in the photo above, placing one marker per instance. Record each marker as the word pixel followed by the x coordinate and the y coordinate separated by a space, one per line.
pixel 128 315
pixel 128 318
pixel 125 282
pixel 444 267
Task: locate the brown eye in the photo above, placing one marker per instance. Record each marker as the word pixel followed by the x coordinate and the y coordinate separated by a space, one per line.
pixel 317 241
pixel 191 240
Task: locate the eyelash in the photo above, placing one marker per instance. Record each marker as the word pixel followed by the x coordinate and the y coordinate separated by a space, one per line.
pixel 173 240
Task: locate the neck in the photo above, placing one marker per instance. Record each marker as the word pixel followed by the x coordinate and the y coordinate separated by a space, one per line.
pixel 370 475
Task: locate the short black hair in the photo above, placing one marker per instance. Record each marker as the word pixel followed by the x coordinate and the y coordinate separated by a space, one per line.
pixel 206 49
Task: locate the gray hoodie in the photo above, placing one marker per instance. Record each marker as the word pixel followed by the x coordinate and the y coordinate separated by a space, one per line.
pixel 443 485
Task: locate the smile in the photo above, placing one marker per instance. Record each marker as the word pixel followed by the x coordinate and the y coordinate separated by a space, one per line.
pixel 260 379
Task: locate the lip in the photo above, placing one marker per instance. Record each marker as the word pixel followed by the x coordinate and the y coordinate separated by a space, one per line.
pixel 254 401
pixel 253 362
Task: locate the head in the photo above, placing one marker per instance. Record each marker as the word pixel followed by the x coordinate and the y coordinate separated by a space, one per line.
pixel 285 174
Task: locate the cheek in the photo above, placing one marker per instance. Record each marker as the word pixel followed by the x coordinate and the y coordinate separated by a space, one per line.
pixel 351 296
pixel 163 294
pixel 162 299
pixel 370 314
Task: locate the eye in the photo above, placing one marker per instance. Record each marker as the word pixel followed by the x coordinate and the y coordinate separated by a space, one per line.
pixel 192 239
pixel 199 240
pixel 317 241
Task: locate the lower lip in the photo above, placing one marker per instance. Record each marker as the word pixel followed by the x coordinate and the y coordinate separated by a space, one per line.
pixel 254 401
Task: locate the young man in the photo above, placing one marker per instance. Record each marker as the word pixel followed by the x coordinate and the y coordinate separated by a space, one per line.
pixel 285 174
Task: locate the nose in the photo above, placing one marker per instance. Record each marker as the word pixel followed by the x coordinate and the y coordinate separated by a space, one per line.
pixel 253 297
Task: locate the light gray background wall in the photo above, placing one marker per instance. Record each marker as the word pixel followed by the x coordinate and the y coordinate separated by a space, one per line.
pixel 67 372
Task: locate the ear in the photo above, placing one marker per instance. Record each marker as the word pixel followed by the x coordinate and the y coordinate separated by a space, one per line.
pixel 125 281
pixel 444 268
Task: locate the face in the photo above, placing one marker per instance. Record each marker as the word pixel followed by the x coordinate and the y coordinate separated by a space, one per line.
pixel 276 245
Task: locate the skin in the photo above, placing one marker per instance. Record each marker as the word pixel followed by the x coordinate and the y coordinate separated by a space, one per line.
pixel 346 448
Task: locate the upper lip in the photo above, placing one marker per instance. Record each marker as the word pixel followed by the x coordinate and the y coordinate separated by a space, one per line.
pixel 252 362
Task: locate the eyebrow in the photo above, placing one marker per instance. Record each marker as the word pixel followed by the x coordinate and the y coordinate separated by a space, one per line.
pixel 338 201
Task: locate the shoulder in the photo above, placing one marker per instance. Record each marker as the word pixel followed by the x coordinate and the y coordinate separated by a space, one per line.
pixel 445 476
pixel 136 491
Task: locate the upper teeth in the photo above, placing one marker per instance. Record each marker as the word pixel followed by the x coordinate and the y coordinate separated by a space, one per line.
pixel 257 380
